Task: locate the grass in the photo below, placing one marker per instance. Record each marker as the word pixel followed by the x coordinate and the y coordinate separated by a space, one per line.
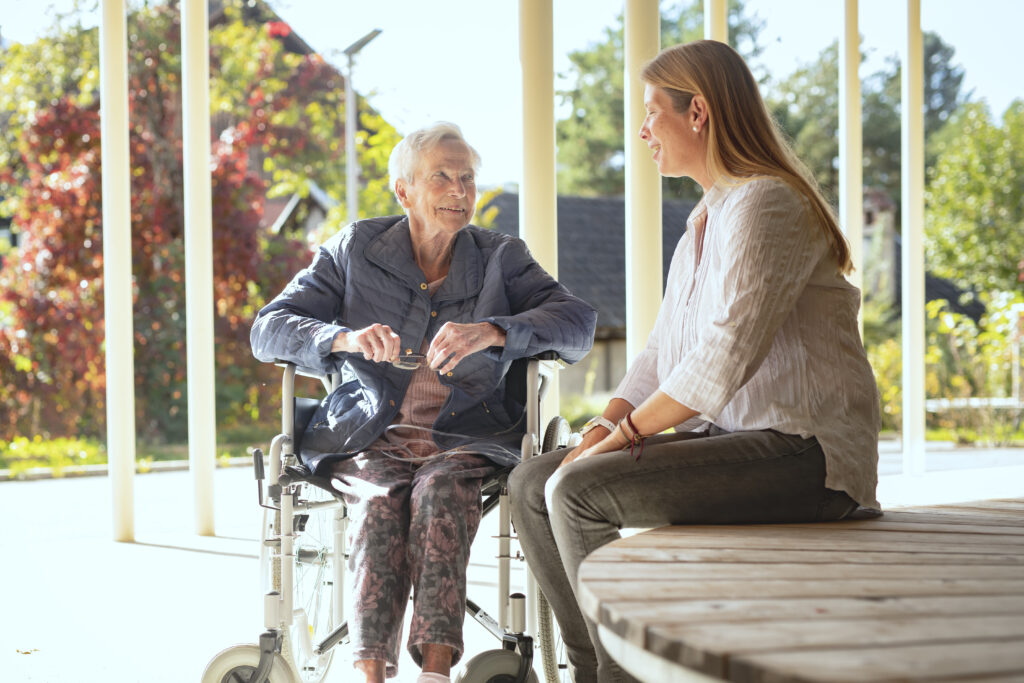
pixel 22 453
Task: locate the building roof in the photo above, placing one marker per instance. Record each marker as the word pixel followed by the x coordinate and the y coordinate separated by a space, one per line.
pixel 960 301
pixel 591 255
pixel 591 249
pixel 259 12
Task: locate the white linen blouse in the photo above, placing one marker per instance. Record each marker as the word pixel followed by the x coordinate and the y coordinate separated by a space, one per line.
pixel 758 330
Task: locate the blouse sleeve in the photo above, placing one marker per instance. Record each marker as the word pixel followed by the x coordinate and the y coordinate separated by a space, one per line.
pixel 641 379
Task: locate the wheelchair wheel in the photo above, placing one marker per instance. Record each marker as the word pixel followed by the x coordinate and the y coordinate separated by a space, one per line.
pixel 550 647
pixel 493 666
pixel 238 663
pixel 313 599
pixel 556 435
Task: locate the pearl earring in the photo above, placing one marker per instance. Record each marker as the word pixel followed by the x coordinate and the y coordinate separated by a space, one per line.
pixel 696 129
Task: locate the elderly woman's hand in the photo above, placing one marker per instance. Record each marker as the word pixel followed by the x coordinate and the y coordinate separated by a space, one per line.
pixel 455 341
pixel 377 342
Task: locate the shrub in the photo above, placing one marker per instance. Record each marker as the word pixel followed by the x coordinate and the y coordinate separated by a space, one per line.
pixel 22 454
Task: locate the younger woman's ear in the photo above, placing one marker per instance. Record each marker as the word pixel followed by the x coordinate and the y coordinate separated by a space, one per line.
pixel 698 111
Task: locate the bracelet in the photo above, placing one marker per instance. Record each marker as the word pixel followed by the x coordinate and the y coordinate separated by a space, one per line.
pixel 636 439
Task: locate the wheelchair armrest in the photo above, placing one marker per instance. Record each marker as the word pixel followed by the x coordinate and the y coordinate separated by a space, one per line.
pixel 300 370
pixel 328 380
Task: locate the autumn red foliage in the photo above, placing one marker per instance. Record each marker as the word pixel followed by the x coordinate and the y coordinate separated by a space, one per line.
pixel 52 370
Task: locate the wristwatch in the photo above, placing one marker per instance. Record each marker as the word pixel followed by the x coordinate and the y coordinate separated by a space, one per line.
pixel 597 421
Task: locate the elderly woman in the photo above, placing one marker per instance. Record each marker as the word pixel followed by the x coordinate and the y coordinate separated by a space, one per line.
pixel 422 316
pixel 755 357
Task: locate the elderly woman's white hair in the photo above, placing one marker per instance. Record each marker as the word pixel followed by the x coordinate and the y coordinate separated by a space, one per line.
pixel 405 157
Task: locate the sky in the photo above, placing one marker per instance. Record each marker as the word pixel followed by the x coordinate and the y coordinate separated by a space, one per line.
pixel 458 60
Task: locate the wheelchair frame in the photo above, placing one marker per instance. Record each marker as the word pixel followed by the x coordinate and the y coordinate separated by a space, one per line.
pixel 287 652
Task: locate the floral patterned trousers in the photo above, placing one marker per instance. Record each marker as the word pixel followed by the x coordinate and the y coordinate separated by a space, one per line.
pixel 411 525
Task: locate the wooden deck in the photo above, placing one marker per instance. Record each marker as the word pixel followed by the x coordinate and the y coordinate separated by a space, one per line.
pixel 921 594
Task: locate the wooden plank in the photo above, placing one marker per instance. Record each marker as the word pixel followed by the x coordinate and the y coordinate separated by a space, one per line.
pixel 645 666
pixel 631 618
pixel 796 540
pixel 877 545
pixel 639 553
pixel 641 573
pixel 753 546
pixel 716 643
pixel 930 525
pixel 941 661
pixel 954 517
pixel 594 592
pixel 1009 504
pixel 846 532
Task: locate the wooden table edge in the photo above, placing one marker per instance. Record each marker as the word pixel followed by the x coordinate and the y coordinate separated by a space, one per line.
pixel 646 666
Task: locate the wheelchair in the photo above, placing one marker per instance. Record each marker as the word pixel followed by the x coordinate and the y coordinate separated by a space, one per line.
pixel 303 559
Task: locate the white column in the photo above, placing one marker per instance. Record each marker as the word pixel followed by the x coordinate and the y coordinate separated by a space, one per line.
pixel 538 194
pixel 716 20
pixel 202 411
pixel 912 207
pixel 538 207
pixel 851 156
pixel 351 157
pixel 643 184
pixel 117 265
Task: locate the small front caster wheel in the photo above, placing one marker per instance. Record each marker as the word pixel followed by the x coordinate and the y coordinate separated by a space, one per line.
pixel 493 666
pixel 238 663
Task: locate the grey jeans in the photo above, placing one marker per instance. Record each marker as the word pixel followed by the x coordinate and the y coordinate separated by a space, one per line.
pixel 716 478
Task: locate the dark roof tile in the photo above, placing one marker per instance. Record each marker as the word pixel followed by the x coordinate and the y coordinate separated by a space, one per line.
pixel 591 247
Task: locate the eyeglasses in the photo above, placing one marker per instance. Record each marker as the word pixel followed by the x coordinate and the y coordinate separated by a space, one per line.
pixel 409 361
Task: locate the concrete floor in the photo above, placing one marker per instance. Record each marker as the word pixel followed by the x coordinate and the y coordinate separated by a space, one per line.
pixel 80 608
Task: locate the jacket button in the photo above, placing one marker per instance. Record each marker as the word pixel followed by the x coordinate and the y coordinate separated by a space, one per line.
pixel 408 351
pixel 453 413
pixel 433 314
pixel 449 374
pixel 391 403
pixel 423 285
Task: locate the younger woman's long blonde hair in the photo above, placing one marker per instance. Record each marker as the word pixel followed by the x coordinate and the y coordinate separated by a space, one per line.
pixel 743 139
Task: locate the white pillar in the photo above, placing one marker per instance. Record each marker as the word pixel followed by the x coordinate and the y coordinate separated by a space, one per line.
pixel 851 156
pixel 538 194
pixel 912 207
pixel 643 184
pixel 351 157
pixel 202 410
pixel 716 20
pixel 117 265
pixel 538 207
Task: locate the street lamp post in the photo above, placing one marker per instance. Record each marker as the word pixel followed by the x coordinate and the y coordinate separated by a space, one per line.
pixel 351 159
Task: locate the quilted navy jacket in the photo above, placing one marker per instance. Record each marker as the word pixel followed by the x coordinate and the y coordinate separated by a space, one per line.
pixel 367 274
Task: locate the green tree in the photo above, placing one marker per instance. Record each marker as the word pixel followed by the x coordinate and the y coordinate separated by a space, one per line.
pixel 806 105
pixel 292 107
pixel 590 138
pixel 282 111
pixel 974 223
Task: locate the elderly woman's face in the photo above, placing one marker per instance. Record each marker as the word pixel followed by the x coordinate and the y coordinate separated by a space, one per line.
pixel 442 195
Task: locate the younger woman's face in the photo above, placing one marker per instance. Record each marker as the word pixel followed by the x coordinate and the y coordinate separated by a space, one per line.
pixel 676 148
